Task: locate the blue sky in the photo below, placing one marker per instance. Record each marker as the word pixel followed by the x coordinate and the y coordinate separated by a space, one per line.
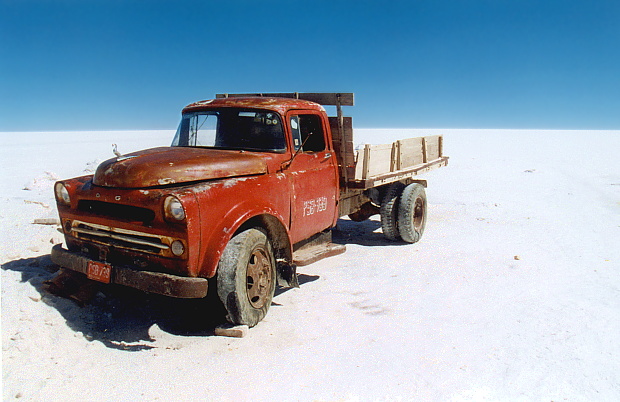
pixel 111 64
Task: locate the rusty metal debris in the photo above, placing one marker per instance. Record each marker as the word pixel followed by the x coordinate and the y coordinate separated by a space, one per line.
pixel 72 285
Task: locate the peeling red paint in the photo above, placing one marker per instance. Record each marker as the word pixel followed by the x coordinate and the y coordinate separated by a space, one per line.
pixel 170 165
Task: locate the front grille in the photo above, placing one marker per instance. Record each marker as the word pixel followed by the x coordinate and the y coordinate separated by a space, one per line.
pixel 117 211
pixel 119 237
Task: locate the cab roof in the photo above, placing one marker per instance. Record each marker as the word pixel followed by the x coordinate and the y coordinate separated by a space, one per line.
pixel 280 105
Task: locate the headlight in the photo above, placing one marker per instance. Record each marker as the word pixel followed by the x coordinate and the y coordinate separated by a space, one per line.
pixel 177 248
pixel 62 195
pixel 173 209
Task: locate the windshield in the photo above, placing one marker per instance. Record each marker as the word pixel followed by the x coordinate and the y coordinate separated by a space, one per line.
pixel 231 128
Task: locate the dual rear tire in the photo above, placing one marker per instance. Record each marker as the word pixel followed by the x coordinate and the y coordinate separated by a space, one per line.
pixel 403 212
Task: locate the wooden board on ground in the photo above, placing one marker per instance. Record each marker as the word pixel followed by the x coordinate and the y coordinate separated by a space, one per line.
pixel 232 331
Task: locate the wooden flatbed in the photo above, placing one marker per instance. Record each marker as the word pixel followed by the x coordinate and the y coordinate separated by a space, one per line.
pixel 377 165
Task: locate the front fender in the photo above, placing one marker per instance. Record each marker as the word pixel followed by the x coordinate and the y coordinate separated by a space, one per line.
pixel 227 205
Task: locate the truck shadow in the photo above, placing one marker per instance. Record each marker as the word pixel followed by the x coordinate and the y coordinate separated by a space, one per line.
pixel 118 317
pixel 123 318
pixel 364 233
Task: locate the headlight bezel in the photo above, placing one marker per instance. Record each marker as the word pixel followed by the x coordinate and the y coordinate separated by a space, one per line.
pixel 173 209
pixel 62 194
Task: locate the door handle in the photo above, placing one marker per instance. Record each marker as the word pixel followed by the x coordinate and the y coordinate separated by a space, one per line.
pixel 327 155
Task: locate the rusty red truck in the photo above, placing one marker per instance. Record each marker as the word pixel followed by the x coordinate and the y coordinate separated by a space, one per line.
pixel 248 191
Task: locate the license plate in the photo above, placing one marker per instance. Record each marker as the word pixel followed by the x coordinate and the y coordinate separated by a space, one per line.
pixel 99 271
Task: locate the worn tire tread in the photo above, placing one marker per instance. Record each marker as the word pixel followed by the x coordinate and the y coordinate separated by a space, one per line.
pixel 230 291
pixel 389 211
pixel 406 213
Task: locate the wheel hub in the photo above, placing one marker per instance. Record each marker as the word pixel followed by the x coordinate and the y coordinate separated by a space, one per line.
pixel 259 277
pixel 418 214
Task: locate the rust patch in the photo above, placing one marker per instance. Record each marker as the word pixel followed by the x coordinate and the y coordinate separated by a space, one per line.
pixel 169 165
pixel 280 105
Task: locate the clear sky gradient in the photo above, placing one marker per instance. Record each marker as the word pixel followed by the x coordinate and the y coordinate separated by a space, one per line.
pixel 111 64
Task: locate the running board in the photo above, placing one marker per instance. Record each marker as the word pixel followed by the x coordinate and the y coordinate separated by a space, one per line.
pixel 316 248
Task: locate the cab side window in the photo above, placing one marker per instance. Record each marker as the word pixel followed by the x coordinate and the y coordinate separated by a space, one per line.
pixel 308 133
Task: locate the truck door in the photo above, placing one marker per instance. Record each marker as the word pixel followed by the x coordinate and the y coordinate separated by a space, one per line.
pixel 313 175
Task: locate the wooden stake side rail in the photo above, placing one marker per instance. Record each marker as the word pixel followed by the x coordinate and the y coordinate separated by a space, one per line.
pixel 376 165
pixel 386 178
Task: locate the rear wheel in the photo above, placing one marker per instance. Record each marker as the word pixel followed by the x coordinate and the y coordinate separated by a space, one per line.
pixel 412 213
pixel 246 277
pixel 389 210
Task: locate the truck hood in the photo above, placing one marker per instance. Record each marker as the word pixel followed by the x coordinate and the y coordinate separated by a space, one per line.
pixel 170 165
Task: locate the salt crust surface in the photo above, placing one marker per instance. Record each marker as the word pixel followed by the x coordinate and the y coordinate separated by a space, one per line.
pixel 512 294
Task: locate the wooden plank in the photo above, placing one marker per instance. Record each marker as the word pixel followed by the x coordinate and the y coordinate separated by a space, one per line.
pixel 343 142
pixel 327 98
pixel 410 152
pixel 377 160
pixel 361 162
pixel 440 146
pixel 344 99
pixel 232 331
pixel 394 156
pixel 432 147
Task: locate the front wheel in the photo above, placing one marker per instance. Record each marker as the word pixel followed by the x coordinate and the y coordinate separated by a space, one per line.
pixel 246 277
pixel 412 213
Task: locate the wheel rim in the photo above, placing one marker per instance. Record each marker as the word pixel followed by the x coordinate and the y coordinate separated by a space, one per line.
pixel 418 214
pixel 259 277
